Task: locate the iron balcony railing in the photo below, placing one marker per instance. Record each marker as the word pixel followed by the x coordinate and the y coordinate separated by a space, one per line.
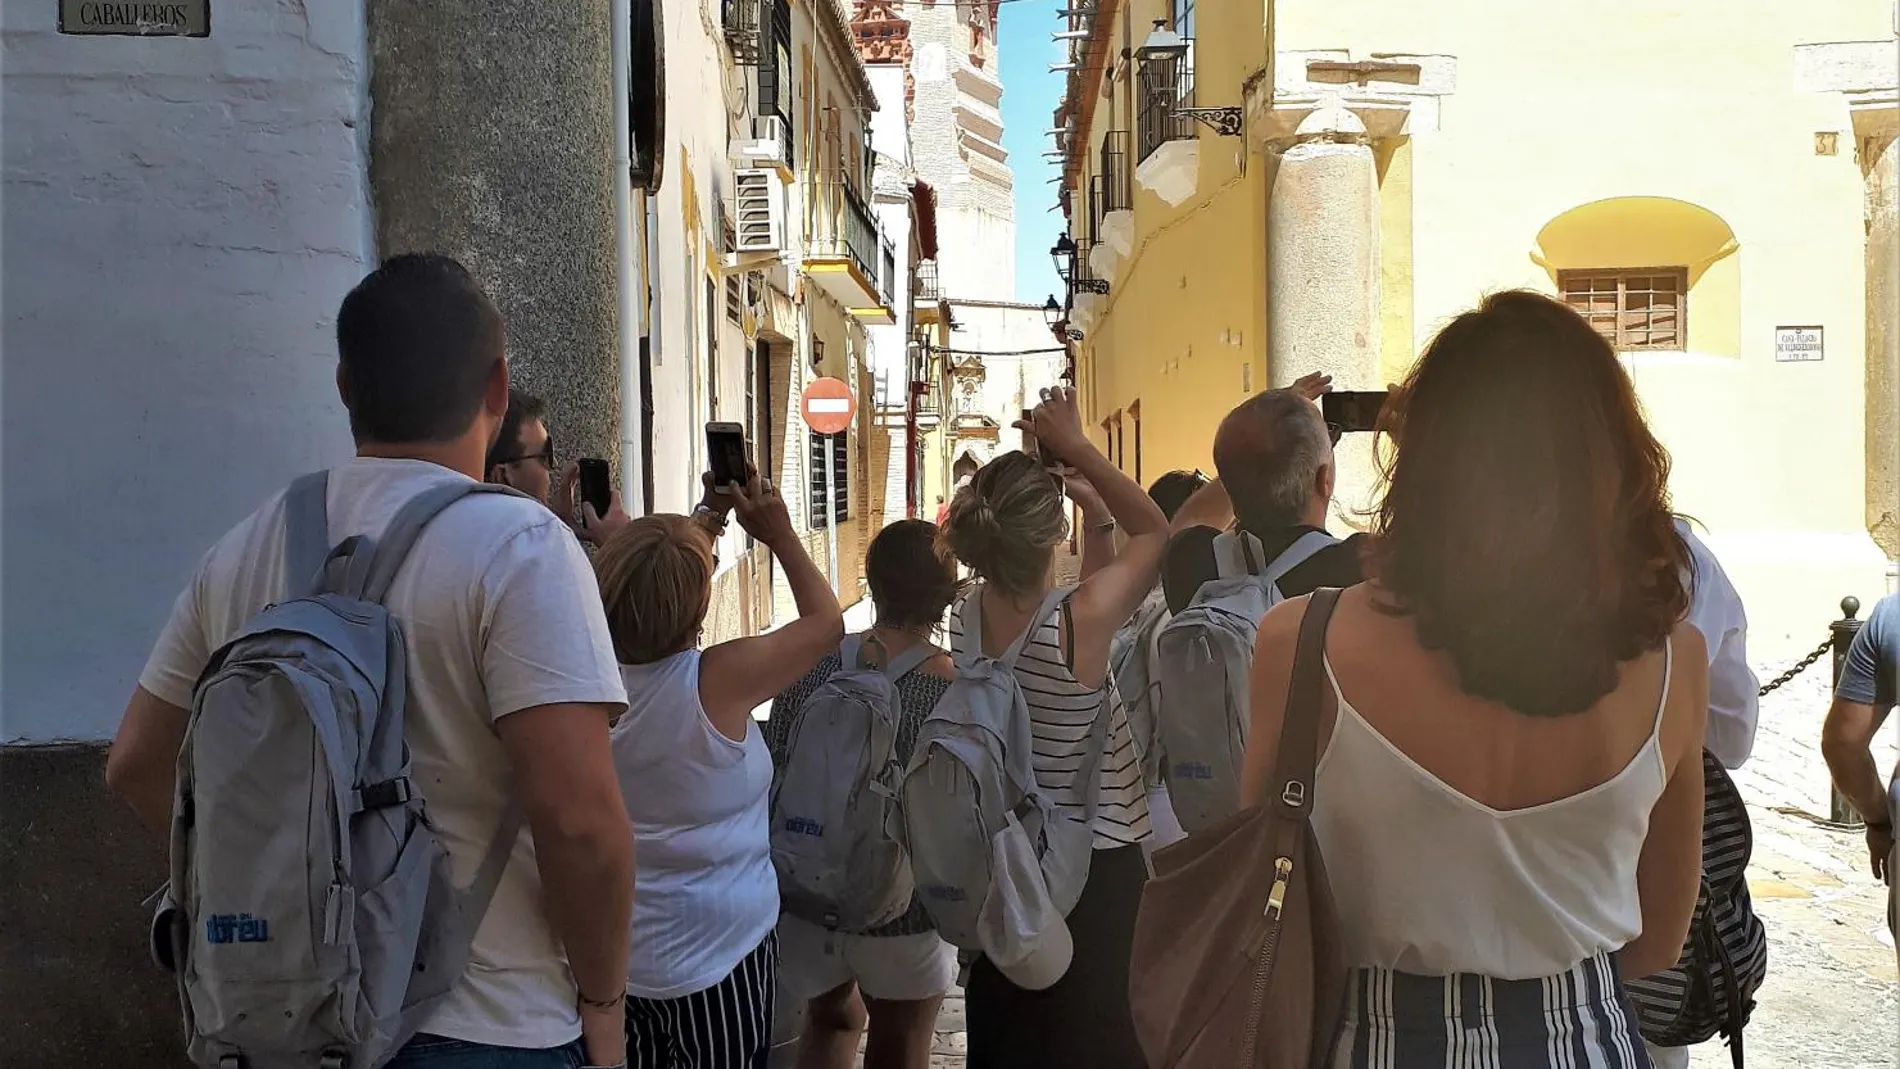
pixel 742 30
pixel 887 279
pixel 845 227
pixel 929 289
pixel 1118 177
pixel 1165 88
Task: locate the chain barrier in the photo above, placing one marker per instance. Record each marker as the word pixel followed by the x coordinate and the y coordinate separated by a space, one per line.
pixel 1801 666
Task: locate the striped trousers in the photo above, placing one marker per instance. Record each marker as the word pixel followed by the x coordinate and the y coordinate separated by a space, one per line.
pixel 726 1026
pixel 1577 1019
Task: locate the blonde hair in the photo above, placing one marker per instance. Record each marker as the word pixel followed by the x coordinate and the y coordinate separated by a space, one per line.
pixel 1005 524
pixel 656 585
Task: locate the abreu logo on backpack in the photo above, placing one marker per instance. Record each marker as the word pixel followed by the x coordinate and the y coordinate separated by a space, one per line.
pixel 970 789
pixel 311 920
pixel 1203 659
pixel 1711 989
pixel 834 797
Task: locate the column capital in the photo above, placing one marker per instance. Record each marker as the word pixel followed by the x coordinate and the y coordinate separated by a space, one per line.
pixel 1862 73
pixel 1389 94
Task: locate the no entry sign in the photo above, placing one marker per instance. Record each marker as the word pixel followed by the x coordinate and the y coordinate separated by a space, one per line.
pixel 828 406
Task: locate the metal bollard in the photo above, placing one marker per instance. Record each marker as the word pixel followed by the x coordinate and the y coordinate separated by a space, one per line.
pixel 1843 630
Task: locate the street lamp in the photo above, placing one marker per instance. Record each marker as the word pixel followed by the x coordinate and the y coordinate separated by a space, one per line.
pixel 1051 312
pixel 1063 253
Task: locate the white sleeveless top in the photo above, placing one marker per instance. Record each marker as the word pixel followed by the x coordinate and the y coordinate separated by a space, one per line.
pixel 706 895
pixel 1432 882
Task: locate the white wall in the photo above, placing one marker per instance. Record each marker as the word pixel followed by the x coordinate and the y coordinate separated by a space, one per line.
pixel 1011 383
pixel 181 219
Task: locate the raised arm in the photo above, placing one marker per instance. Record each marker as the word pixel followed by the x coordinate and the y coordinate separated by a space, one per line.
pixel 1098 527
pixel 1107 598
pixel 737 677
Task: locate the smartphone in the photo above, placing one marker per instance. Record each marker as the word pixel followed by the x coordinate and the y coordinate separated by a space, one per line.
pixel 1352 411
pixel 1033 446
pixel 726 450
pixel 596 485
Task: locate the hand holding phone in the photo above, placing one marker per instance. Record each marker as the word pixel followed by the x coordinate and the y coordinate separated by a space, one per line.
pixel 596 485
pixel 726 454
pixel 1352 411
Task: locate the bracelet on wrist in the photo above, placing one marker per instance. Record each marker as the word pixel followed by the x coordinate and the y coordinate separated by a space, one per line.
pixel 601 1004
pixel 1105 525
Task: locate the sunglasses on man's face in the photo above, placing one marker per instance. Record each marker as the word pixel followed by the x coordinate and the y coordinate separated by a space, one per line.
pixel 545 456
pixel 1335 432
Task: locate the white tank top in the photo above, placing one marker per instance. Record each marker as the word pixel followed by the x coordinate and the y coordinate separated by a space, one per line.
pixel 706 895
pixel 1432 882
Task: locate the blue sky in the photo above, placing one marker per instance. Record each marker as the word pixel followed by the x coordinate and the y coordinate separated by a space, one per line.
pixel 1030 94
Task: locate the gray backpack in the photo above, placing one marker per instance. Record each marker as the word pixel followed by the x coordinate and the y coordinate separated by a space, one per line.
pixel 833 794
pixel 311 919
pixel 1131 663
pixel 1203 660
pixel 971 771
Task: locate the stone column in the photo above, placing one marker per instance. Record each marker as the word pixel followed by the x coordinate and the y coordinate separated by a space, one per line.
pixel 1323 273
pixel 491 139
pixel 1883 344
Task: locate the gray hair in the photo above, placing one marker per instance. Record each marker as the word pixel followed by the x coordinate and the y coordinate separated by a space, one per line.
pixel 1270 451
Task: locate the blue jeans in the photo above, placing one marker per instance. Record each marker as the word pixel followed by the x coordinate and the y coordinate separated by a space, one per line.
pixel 440 1052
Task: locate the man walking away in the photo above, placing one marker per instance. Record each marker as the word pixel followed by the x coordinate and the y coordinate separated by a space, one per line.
pixel 1864 695
pixel 511 679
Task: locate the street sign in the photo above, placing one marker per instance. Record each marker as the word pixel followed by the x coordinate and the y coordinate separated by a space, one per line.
pixel 1799 345
pixel 191 18
pixel 828 406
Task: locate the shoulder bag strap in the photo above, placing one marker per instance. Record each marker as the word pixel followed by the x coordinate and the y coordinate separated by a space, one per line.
pixel 1293 764
pixel 306 534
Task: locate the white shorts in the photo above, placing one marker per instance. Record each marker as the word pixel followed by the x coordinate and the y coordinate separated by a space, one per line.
pixel 893 968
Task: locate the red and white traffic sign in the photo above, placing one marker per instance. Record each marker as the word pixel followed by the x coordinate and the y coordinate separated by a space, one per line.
pixel 828 406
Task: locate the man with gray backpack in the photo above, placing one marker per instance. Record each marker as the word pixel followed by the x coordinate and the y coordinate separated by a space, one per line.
pixel 375 732
pixel 1242 544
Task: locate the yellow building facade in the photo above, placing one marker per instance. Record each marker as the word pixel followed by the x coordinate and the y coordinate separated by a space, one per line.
pixel 1713 186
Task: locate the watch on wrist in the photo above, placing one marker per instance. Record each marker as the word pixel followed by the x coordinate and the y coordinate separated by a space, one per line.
pixel 705 511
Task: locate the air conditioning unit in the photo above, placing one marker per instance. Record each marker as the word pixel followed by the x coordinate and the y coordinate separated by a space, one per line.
pixel 759 210
pixel 769 144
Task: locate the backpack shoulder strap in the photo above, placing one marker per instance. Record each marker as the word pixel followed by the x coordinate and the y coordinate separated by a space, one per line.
pixel 969 612
pixel 1293 765
pixel 1297 554
pixel 371 582
pixel 909 661
pixel 850 653
pixel 1237 553
pixel 306 533
pixel 1050 603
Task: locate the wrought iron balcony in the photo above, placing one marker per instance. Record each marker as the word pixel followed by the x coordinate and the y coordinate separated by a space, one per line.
pixel 1117 173
pixel 1165 87
pixel 847 255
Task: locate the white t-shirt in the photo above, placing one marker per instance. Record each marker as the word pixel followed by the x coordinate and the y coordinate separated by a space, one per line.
pixel 707 895
pixel 1715 609
pixel 500 612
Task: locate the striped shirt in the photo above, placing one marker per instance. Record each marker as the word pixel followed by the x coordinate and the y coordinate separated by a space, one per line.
pixel 919 692
pixel 1062 713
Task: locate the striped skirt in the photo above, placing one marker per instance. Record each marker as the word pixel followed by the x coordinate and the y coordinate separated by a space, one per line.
pixel 1578 1019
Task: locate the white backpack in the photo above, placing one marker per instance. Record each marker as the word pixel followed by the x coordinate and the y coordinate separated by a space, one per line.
pixel 970 779
pixel 1203 661
pixel 311 919
pixel 834 793
pixel 1131 663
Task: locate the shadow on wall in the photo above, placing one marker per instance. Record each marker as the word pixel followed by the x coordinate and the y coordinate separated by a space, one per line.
pixel 78 988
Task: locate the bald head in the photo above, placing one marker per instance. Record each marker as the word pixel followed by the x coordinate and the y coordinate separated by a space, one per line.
pixel 1276 461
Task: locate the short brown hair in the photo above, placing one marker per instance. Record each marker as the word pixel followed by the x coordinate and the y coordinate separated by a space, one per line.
pixel 1525 525
pixel 1005 524
pixel 656 585
pixel 912 581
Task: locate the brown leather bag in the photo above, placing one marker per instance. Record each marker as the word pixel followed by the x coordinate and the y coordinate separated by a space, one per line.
pixel 1237 961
